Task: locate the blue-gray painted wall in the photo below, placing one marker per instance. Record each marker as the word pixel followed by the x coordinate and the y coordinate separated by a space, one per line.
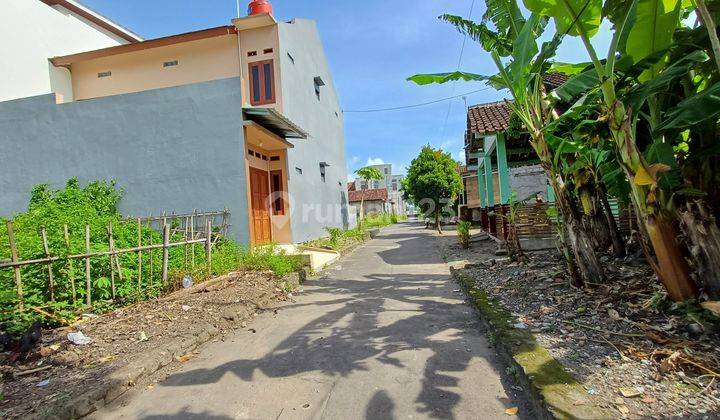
pixel 174 149
pixel 318 204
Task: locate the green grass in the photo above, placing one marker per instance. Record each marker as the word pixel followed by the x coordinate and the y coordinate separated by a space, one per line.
pixel 339 239
pixel 96 206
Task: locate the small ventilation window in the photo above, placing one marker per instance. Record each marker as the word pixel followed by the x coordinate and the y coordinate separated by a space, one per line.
pixel 298 170
pixel 268 51
pixel 105 74
pixel 292 59
pixel 250 152
pixel 170 63
pixel 257 155
pixel 252 53
pixel 318 81
pixel 274 158
pixel 264 157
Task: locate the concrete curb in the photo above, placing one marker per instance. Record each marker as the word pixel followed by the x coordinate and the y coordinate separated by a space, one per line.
pixel 554 392
pixel 123 379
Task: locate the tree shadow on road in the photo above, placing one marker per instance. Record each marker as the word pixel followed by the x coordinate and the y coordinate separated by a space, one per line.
pixel 345 339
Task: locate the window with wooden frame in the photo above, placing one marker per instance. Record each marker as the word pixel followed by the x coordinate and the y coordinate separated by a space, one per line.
pixel 262 82
pixel 276 190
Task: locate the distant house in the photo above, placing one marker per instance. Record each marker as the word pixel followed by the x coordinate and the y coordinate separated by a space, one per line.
pixel 374 201
pixel 499 161
pixel 243 117
pixel 392 183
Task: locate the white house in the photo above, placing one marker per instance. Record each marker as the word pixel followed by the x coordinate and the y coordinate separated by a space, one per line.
pixel 35 30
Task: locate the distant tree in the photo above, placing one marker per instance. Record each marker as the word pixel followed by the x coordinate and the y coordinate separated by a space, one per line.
pixel 367 173
pixel 432 181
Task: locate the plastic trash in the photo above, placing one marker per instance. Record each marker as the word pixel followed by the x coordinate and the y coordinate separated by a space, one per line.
pixel 187 282
pixel 43 384
pixel 142 336
pixel 186 308
pixel 78 338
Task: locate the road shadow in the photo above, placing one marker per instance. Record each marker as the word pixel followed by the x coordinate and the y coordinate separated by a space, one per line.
pixel 355 331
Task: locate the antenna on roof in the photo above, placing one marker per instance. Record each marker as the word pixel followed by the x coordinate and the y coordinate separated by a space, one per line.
pixel 238 9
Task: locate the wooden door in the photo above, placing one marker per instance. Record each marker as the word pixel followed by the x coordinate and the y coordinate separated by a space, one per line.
pixel 259 192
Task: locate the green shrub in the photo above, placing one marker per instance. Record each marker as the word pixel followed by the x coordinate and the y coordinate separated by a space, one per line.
pixel 97 205
pixel 269 258
pixel 377 221
pixel 463 230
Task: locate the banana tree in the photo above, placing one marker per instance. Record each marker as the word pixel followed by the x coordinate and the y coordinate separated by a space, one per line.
pixel 523 78
pixel 641 29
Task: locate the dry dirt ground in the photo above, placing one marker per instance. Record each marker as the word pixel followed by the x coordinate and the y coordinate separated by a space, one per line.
pixel 637 355
pixel 58 370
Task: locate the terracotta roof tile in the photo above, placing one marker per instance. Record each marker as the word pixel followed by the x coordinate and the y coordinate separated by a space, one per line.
pixel 554 80
pixel 368 195
pixel 488 118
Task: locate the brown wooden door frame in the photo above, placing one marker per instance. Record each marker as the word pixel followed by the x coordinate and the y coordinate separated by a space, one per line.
pixel 260 207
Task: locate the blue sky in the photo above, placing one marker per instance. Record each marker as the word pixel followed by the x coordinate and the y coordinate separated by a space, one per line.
pixel 372 47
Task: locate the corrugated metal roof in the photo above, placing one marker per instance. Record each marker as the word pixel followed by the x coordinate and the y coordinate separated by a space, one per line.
pixel 275 122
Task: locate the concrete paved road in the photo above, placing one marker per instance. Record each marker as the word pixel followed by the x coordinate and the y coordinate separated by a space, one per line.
pixel 383 334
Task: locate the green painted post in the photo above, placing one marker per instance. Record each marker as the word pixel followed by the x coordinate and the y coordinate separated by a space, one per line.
pixel 489 186
pixel 503 172
pixel 481 182
pixel 550 193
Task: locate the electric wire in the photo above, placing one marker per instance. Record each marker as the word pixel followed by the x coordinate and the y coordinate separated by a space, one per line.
pixel 396 108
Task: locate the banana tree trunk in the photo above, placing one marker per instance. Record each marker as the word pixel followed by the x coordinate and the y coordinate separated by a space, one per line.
pixel 617 241
pixel 586 261
pixel 664 253
pixel 594 220
pixel 702 233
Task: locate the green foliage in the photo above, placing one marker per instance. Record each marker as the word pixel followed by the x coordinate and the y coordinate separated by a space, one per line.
pixel 97 206
pixel 377 221
pixel 463 231
pixel 369 173
pixel 570 15
pixel 269 258
pixel 432 179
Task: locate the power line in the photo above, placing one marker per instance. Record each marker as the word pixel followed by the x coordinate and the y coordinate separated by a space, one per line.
pixel 416 105
pixel 462 51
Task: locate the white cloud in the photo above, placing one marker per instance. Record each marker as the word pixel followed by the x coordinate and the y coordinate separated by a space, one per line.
pixel 460 156
pixel 375 161
pixel 447 143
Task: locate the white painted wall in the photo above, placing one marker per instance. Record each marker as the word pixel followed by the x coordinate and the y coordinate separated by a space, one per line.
pixel 31 33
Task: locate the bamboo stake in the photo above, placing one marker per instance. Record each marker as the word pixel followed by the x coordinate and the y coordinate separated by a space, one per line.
pixel 185 236
pixel 152 265
pixel 166 242
pixel 45 260
pixel 208 247
pixel 66 235
pixel 139 225
pixel 192 236
pixel 112 270
pixel 14 255
pixel 46 248
pixel 88 290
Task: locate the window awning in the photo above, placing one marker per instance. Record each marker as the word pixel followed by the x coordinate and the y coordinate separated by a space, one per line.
pixel 274 122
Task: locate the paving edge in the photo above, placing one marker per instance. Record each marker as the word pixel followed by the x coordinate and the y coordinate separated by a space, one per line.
pixel 553 391
pixel 125 378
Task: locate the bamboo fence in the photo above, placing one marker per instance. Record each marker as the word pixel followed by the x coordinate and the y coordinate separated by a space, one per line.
pixel 173 225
